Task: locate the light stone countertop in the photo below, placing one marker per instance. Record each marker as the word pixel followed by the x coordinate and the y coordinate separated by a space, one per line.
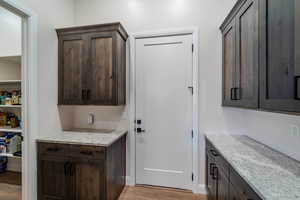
pixel 273 175
pixel 84 138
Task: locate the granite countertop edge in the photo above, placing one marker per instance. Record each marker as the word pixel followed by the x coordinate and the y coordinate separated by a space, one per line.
pixel 263 151
pixel 55 139
pixel 237 170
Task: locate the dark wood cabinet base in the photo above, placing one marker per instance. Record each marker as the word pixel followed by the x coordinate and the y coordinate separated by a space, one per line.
pixel 77 172
pixel 222 181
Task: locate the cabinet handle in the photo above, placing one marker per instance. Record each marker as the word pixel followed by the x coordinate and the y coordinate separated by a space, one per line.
pixel 211 168
pixel 83 94
pixel 237 93
pixel 66 168
pixel 213 152
pixel 53 149
pixel 297 95
pixel 88 153
pixel 88 94
pixel 232 94
pixel 72 169
pixel 215 173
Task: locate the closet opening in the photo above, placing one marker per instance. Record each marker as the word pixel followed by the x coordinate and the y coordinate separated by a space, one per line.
pixel 11 106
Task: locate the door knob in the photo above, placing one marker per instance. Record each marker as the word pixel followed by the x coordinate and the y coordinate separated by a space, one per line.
pixel 140 130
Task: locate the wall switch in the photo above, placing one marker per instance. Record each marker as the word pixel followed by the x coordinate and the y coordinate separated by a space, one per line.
pixel 91 119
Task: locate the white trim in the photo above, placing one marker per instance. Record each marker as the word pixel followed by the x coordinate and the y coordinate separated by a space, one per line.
pixel 164 171
pixel 132 145
pixel 201 189
pixel 30 97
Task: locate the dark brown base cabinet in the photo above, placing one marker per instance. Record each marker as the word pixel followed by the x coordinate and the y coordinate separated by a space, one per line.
pixel 222 181
pixel 261 55
pixel 77 172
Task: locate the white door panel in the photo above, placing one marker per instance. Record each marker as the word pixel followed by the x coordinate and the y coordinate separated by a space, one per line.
pixel 164 104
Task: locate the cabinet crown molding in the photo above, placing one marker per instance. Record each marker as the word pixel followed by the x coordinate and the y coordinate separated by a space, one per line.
pixel 108 27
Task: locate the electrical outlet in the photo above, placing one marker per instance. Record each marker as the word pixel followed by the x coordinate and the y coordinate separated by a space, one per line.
pixel 295 131
pixel 91 119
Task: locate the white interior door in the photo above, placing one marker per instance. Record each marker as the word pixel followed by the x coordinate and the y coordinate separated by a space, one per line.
pixel 164 106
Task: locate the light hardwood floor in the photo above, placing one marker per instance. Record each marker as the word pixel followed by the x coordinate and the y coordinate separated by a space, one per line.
pixel 10 186
pixel 154 193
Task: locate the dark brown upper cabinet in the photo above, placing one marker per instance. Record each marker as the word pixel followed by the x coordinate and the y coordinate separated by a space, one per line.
pixel 280 55
pixel 240 56
pixel 261 55
pixel 92 65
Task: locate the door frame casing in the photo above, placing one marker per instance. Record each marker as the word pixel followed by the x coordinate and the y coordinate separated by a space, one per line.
pixel 131 180
pixel 30 94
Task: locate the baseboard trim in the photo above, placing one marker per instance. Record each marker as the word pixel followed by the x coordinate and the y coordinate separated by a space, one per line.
pixel 200 189
pixel 129 181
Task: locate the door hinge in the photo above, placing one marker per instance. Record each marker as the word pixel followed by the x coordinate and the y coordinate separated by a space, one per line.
pixel 192 176
pixel 192 47
pixel 192 89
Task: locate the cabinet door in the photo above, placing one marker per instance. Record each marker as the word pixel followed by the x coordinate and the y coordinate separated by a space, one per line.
pixel 101 72
pixel 247 54
pixel 234 194
pixel 88 180
pixel 211 179
pixel 52 179
pixel 229 61
pixel 280 55
pixel 223 185
pixel 72 60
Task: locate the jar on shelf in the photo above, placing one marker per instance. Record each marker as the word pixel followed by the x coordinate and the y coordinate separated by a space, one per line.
pixel 3 119
pixel 8 101
pixel 2 97
pixel 15 97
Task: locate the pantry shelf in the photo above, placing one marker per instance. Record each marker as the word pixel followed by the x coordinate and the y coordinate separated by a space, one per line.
pixel 9 81
pixel 10 155
pixel 12 130
pixel 10 106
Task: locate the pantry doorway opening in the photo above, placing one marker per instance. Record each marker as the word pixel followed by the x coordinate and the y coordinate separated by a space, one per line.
pixel 18 101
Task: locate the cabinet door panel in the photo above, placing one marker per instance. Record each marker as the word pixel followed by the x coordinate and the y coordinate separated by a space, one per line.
pixel 53 183
pixel 101 71
pixel 247 55
pixel 211 181
pixel 229 61
pixel 89 180
pixel 72 60
pixel 223 185
pixel 235 194
pixel 280 55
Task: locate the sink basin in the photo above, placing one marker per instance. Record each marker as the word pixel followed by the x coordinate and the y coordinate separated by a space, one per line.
pixel 88 130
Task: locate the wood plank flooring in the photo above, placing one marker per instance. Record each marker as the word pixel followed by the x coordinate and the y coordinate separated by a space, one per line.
pixel 13 178
pixel 155 193
pixel 10 186
pixel 10 192
pixel 10 189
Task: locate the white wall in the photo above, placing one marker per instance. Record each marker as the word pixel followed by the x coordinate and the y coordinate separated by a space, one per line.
pixel 144 15
pixel 10 70
pixel 51 14
pixel 10 30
